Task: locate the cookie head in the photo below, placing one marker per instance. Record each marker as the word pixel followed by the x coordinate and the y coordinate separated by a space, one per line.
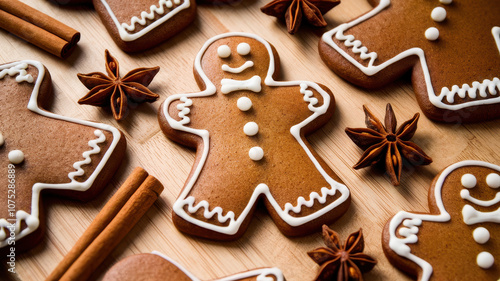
pixel 236 58
pixel 458 239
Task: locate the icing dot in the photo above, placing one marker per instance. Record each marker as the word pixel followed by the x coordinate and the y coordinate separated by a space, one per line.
pixel 244 103
pixel 224 51
pixel 493 180
pixel 432 33
pixel 447 2
pixel 16 157
pixel 2 140
pixel 438 14
pixel 243 49
pixel 481 235
pixel 485 260
pixel 256 153
pixel 251 129
pixel 469 181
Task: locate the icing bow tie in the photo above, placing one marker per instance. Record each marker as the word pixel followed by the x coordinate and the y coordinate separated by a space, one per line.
pixel 231 85
pixel 473 216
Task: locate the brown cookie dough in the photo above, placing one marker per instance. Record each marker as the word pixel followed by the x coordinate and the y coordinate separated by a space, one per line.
pixel 249 131
pixel 43 151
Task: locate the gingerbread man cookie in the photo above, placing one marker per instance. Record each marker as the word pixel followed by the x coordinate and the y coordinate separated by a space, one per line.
pixel 452 47
pixel 249 131
pixel 459 238
pixel 156 266
pixel 139 25
pixel 43 151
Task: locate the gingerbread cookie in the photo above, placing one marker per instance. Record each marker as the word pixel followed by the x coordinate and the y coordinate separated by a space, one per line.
pixel 143 24
pixel 456 240
pixel 249 131
pixel 43 151
pixel 452 47
pixel 156 266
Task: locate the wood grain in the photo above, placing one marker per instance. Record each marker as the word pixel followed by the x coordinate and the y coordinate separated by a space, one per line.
pixel 375 200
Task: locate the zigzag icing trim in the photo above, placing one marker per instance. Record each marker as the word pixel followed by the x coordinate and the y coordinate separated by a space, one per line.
pixel 32 223
pixel 207 213
pixel 95 149
pixel 308 96
pixel 356 45
pixel 471 92
pixel 301 201
pixel 153 11
pixel 184 110
pixel 20 71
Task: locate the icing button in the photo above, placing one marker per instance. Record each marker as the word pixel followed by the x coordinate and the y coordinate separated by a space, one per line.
pixel 243 49
pixel 244 104
pixel 2 140
pixel 251 129
pixel 493 180
pixel 438 14
pixel 481 235
pixel 256 153
pixel 16 156
pixel 432 34
pixel 468 180
pixel 224 51
pixel 485 260
pixel 446 2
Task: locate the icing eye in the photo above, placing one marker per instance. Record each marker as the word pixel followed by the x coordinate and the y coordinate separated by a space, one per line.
pixel 16 156
pixel 224 51
pixel 493 180
pixel 243 49
pixel 469 181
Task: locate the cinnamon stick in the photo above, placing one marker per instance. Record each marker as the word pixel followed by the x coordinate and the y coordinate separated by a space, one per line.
pixel 37 28
pixel 110 226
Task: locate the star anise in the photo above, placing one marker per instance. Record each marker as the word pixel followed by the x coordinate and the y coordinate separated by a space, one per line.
pixel 386 144
pixel 106 90
pixel 293 11
pixel 342 262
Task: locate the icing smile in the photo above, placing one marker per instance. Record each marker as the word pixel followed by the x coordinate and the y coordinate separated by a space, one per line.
pixel 240 69
pixel 465 194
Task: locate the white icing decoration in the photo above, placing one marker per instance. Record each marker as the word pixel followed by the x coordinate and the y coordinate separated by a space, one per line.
pixel 493 180
pixel 465 194
pixel 223 51
pixel 244 104
pixel 481 235
pixel 2 140
pixel 432 34
pixel 256 153
pixel 32 220
pixel 18 70
pixel 370 70
pixel 243 49
pixel 240 69
pixel 438 14
pixel 251 129
pixel 184 110
pixel 16 156
pixel 261 189
pixel 485 260
pixel 472 216
pixel 231 85
pixel 308 96
pixel 471 92
pixel 95 150
pixel 125 30
pixel 261 274
pixel 446 2
pixel 468 181
pixel 399 245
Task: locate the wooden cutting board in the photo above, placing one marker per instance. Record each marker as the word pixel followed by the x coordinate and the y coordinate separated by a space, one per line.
pixel 374 199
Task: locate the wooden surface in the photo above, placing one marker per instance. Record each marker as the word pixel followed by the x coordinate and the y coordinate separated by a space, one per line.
pixel 374 199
